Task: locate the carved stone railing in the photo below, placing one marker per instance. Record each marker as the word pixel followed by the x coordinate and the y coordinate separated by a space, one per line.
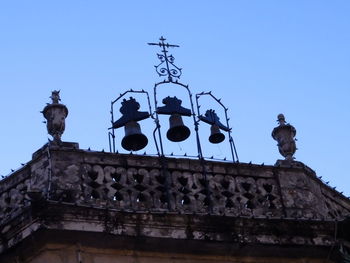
pixel 141 183
pixel 18 189
pixel 146 188
pixel 337 208
pixel 12 194
pixel 152 184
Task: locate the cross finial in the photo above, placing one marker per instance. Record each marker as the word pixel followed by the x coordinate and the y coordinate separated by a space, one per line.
pixel 163 44
pixel 166 67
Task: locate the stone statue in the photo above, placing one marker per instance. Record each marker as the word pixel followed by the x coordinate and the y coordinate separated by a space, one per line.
pixel 55 114
pixel 55 96
pixel 284 134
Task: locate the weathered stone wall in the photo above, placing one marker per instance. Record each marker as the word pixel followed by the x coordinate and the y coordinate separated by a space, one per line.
pixel 85 246
pixel 54 253
pixel 146 198
pixel 16 191
pixel 143 183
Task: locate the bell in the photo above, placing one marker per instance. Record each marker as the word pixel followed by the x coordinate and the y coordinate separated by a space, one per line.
pixel 133 140
pixel 178 131
pixel 215 134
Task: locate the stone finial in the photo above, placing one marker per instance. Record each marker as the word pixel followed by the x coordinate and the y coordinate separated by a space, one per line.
pixel 281 120
pixel 284 134
pixel 55 115
pixel 55 96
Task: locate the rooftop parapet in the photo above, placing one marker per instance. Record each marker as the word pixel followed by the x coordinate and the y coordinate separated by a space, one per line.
pixel 142 183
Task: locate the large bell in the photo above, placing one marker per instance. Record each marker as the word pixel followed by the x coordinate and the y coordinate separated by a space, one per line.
pixel 215 134
pixel 133 140
pixel 178 131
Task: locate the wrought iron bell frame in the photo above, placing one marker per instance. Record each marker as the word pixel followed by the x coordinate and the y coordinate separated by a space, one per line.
pixel 111 134
pixel 158 126
pixel 229 129
pixel 173 73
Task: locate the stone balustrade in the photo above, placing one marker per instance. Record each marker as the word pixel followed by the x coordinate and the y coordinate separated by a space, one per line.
pixel 168 185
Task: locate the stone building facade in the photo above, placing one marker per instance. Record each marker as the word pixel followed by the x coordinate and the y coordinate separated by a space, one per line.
pixel 73 205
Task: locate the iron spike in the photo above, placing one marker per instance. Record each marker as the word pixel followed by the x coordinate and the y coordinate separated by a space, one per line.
pixel 185 154
pixel 89 149
pixel 225 159
pixel 103 150
pixel 144 153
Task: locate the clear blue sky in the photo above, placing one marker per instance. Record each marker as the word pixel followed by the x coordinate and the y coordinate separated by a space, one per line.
pixel 261 57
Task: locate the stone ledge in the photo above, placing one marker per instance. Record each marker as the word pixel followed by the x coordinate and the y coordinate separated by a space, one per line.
pixel 173 226
pixel 182 250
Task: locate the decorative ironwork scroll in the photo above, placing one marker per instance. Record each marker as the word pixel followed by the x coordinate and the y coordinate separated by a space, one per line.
pixel 166 67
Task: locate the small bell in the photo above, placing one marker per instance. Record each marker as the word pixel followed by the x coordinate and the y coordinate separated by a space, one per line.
pixel 216 136
pixel 134 139
pixel 178 131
